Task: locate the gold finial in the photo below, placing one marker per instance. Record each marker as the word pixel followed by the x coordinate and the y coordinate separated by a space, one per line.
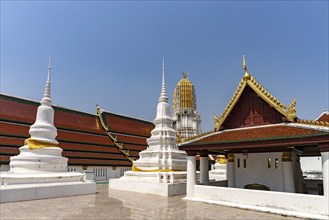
pixel 184 75
pixel 244 65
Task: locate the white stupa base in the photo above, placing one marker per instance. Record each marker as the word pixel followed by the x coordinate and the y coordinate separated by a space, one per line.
pixel 48 159
pixel 31 186
pixel 219 173
pixel 23 192
pixel 156 183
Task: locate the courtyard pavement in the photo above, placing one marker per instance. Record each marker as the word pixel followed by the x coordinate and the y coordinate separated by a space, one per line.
pixel 115 204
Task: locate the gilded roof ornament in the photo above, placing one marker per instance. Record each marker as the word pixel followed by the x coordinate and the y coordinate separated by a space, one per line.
pixel 292 109
pixel 249 80
pixel 216 122
pixel 179 139
pixel 184 74
pixel 244 65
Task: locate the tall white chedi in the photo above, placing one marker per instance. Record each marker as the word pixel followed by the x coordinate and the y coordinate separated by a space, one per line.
pixel 40 170
pixel 161 168
pixel 162 153
pixel 40 152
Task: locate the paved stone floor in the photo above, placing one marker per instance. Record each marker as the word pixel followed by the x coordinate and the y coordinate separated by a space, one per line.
pixel 114 204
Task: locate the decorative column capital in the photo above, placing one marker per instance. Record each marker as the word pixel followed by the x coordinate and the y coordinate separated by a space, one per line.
pixel 286 157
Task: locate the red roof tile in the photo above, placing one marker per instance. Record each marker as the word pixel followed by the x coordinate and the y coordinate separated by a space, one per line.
pixel 258 133
pixel 324 117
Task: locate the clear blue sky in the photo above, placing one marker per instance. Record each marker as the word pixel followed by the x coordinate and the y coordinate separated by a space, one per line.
pixel 111 52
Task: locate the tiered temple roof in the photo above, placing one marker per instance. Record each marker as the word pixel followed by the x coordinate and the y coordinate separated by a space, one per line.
pixel 80 135
pixel 256 120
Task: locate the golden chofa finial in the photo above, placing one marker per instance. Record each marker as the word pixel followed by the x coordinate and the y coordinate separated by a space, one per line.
pixel 292 109
pixel 184 74
pixel 244 65
pixel 216 123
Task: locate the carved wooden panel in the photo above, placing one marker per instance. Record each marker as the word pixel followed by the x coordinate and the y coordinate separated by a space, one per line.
pixel 251 110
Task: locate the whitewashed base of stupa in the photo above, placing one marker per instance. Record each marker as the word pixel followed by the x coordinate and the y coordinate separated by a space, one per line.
pixel 30 186
pixel 156 183
pixel 219 173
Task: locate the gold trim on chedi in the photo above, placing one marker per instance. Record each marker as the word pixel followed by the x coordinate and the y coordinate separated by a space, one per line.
pixel 249 80
pixel 136 169
pixel 37 144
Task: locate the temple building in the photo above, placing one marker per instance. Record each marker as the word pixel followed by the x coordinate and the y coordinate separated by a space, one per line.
pixel 263 141
pixel 184 109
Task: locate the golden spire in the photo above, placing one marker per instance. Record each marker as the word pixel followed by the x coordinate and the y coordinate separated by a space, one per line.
pixel 184 94
pixel 244 65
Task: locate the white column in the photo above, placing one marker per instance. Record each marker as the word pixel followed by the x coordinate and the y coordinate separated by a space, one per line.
pixel 204 169
pixel 191 175
pixel 230 171
pixel 288 173
pixel 325 173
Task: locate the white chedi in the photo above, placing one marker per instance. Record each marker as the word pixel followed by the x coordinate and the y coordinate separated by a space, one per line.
pixel 161 168
pixel 40 170
pixel 162 153
pixel 219 173
pixel 40 152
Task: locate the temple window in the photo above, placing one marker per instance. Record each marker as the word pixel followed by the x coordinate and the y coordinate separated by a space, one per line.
pixel 244 163
pixel 276 163
pixel 269 163
pixel 238 162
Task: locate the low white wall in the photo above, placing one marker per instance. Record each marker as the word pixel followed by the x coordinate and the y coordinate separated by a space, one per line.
pixel 301 205
pixel 257 171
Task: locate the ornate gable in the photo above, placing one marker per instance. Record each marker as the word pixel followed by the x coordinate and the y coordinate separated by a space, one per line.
pixel 247 106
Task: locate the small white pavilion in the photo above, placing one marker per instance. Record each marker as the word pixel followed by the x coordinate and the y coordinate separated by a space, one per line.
pixel 263 141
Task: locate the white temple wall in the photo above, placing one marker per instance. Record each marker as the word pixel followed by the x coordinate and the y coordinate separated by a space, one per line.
pixel 258 171
pixel 99 173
